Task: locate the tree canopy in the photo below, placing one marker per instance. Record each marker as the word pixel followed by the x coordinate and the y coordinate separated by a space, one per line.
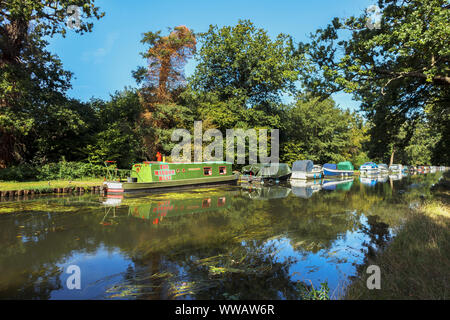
pixel 397 70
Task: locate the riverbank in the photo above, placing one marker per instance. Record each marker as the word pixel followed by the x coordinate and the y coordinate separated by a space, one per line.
pixel 416 264
pixel 12 188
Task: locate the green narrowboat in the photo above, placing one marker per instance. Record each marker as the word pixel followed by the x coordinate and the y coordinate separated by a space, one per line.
pixel 155 176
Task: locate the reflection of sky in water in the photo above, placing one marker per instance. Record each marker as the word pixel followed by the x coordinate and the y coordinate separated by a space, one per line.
pixel 333 265
pixel 99 271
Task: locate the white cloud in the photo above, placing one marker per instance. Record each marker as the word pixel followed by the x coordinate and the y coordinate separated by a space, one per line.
pixel 97 55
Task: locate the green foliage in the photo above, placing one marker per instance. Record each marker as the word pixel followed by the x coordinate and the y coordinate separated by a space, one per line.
pixel 32 80
pixel 118 136
pixel 52 171
pixel 308 292
pixel 242 62
pixel 320 131
pixel 422 144
pixel 397 71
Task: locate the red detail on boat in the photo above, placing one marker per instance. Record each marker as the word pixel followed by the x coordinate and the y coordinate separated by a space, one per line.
pixel 115 190
pixel 113 196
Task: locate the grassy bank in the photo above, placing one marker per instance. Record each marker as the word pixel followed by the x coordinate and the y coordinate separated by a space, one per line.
pixel 43 185
pixel 416 264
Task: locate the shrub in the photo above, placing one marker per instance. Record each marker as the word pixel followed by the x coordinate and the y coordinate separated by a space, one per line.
pixel 52 171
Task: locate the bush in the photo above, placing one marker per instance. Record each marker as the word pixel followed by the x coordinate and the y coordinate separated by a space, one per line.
pixel 52 171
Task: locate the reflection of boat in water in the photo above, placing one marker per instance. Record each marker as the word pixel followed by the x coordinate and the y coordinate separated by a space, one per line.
pixel 305 169
pixel 382 178
pixel 341 184
pixel 266 193
pixel 396 177
pixel 368 181
pixel 157 207
pixel 157 211
pixel 383 169
pixel 305 189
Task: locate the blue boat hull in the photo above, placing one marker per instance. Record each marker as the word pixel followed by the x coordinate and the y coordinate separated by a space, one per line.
pixel 337 173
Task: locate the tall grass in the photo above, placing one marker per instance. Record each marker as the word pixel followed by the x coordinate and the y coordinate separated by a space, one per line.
pixel 416 264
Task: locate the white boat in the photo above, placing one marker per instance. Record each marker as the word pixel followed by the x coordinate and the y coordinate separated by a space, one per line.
pixel 369 168
pixel 305 169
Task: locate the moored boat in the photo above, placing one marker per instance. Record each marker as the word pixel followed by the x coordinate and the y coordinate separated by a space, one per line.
pixel 369 168
pixel 265 172
pixel 154 176
pixel 342 169
pixel 305 169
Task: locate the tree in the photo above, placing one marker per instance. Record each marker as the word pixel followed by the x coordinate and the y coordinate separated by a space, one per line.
pixel 31 78
pixel 162 83
pixel 397 70
pixel 166 58
pixel 47 16
pixel 118 125
pixel 242 61
pixel 320 131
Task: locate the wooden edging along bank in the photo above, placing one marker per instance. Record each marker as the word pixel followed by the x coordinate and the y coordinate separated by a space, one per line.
pixel 70 190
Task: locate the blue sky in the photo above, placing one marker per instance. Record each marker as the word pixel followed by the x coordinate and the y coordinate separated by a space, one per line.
pixel 102 61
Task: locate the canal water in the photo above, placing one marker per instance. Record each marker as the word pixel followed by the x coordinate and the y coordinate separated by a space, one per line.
pixel 241 242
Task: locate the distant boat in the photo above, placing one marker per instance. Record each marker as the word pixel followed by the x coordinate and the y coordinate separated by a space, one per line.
pixel 369 168
pixel 155 176
pixel 305 169
pixel 342 169
pixel 265 171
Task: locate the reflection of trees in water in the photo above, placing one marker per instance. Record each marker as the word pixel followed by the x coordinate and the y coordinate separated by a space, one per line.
pixel 379 235
pixel 37 284
pixel 238 270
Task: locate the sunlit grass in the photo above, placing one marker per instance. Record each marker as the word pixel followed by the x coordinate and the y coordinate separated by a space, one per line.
pixel 416 264
pixel 40 185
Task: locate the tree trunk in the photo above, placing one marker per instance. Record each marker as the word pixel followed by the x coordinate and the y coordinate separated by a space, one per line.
pixel 392 157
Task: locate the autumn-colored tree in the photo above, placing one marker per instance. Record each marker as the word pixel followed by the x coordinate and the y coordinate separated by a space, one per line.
pixel 166 58
pixel 162 81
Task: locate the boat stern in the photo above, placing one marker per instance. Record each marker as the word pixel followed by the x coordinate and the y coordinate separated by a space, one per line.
pixel 113 187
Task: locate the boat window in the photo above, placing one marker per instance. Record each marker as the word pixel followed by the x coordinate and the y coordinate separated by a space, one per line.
pixel 207 171
pixel 206 203
pixel 222 170
pixel 221 201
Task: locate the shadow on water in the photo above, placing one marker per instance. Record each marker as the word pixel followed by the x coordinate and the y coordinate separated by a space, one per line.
pixel 249 242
